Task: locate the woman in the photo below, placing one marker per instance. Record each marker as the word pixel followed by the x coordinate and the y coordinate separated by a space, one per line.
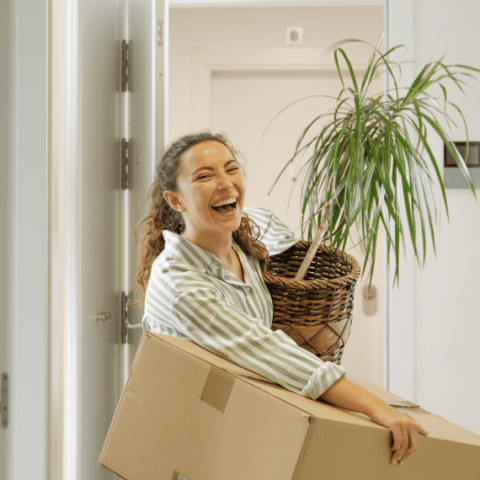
pixel 202 257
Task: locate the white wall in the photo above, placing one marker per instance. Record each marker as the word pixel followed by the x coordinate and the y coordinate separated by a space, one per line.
pixel 321 28
pixel 447 316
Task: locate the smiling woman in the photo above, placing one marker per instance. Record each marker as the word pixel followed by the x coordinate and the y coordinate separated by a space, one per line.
pixel 202 255
pixel 210 195
pixel 197 174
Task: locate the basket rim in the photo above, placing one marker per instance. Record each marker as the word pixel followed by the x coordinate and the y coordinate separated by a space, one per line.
pixel 346 280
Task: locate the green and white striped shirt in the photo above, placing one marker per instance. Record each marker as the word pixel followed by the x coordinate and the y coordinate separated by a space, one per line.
pixel 190 295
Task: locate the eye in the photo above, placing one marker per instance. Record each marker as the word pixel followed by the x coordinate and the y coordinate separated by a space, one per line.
pixel 234 169
pixel 202 177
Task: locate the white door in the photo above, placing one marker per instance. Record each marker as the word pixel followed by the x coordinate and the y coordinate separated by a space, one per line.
pixel 98 242
pixel 242 102
pixel 106 210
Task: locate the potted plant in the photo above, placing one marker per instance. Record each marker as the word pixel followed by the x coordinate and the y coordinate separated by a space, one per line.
pixel 368 162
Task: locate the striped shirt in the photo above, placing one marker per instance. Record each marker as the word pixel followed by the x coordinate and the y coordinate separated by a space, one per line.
pixel 190 295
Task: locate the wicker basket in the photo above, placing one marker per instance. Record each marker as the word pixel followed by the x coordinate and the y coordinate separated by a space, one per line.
pixel 315 312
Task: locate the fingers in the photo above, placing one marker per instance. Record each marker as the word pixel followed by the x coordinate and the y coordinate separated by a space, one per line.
pixel 413 445
pixel 422 430
pixel 412 432
pixel 402 460
pixel 405 431
pixel 400 442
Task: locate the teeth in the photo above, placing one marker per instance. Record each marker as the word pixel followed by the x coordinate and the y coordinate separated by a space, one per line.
pixel 225 202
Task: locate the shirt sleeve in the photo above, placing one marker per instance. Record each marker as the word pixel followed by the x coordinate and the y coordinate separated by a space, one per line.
pixel 203 315
pixel 274 234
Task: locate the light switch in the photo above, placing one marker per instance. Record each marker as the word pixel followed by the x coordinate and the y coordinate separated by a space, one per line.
pixel 370 300
pixel 294 35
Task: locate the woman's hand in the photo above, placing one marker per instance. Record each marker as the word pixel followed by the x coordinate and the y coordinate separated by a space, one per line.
pixel 404 430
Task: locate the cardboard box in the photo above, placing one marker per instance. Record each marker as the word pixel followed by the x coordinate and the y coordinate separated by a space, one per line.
pixel 187 413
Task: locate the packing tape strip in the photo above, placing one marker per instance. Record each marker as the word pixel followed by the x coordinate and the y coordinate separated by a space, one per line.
pixel 218 388
pixel 403 404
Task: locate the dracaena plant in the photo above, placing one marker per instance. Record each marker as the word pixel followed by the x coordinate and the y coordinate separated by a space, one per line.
pixel 371 159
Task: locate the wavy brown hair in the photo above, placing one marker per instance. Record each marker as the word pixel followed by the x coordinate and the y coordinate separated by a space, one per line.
pixel 162 217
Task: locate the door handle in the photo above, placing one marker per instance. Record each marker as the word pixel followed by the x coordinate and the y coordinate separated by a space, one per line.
pixel 103 316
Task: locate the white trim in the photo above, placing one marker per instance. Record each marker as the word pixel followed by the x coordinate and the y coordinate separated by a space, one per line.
pixel 25 274
pixel 400 326
pixel 386 276
pixel 207 61
pixel 160 85
pixel 72 338
pixel 271 3
pixel 56 92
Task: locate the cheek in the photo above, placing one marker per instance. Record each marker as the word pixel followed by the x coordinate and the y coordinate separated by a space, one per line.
pixel 201 195
pixel 240 180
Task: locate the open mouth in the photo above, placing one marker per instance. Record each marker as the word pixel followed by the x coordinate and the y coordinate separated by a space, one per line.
pixel 229 207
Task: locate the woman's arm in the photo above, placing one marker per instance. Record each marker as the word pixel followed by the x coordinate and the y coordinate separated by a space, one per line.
pixel 274 234
pixel 346 394
pixel 204 316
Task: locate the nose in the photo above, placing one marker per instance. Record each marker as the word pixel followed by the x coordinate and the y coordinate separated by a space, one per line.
pixel 225 182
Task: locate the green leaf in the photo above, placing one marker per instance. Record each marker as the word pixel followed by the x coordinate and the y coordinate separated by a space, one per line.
pixel 370 151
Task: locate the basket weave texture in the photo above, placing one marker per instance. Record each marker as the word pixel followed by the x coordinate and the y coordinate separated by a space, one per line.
pixel 317 311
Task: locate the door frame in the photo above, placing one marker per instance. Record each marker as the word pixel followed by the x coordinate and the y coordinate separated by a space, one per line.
pixel 399 312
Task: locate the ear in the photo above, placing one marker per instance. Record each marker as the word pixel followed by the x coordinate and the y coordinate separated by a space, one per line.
pixel 174 201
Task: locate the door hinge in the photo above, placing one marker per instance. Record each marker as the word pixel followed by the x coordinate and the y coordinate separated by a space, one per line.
pixel 125 66
pixel 160 33
pixel 125 164
pixel 124 310
pixel 4 401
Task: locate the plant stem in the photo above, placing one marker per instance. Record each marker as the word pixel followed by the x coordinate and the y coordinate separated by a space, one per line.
pixel 302 271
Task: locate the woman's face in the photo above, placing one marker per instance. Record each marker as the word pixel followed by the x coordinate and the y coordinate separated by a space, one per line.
pixel 209 177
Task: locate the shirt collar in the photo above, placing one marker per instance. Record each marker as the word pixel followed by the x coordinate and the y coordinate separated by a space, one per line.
pixel 178 247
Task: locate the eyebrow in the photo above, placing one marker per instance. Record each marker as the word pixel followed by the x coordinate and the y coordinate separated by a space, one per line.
pixel 211 169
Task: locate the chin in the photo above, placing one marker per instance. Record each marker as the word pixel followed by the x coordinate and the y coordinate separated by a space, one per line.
pixel 235 226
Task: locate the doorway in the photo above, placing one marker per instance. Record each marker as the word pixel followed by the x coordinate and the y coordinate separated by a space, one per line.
pixel 236 76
